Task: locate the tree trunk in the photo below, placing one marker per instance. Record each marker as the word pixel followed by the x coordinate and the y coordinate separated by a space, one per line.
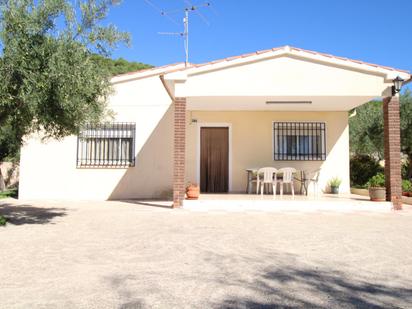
pixel 2 184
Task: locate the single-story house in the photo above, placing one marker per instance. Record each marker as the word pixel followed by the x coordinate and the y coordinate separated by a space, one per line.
pixel 208 123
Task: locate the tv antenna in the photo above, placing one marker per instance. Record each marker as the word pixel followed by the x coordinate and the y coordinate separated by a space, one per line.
pixel 190 8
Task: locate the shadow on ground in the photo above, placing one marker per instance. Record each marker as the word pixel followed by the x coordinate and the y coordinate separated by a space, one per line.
pixel 300 286
pixel 27 214
pixel 276 280
pixel 151 203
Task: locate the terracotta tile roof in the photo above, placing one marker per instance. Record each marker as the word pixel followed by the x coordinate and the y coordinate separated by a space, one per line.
pixel 259 52
pixel 350 60
pixel 171 67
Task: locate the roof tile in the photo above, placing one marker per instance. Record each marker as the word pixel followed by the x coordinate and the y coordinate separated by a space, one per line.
pixel 259 52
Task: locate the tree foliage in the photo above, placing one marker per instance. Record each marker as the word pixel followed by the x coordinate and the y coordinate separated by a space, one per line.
pixel 49 79
pixel 406 123
pixel 366 129
pixel 119 66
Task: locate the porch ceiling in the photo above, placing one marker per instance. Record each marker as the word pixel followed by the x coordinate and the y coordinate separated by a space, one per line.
pixel 277 103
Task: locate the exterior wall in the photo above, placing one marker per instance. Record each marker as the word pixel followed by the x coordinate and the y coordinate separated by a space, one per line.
pixel 252 146
pixel 48 170
pixel 283 76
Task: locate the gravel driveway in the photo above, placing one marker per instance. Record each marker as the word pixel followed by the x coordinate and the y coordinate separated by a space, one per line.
pixel 130 255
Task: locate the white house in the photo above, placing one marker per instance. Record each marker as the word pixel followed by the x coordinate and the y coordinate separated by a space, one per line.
pixel 209 123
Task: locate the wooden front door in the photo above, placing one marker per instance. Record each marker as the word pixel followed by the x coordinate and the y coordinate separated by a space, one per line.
pixel 214 159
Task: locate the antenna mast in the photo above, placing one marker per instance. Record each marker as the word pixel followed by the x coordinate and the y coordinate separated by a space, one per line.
pixel 185 33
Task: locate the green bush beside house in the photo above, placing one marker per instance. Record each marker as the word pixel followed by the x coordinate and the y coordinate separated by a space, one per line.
pixel 363 168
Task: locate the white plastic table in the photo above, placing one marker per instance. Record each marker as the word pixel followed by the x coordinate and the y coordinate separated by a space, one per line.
pixel 253 170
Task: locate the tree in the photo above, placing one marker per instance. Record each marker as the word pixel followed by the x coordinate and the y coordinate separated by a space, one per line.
pixel 366 129
pixel 406 128
pixel 119 66
pixel 49 81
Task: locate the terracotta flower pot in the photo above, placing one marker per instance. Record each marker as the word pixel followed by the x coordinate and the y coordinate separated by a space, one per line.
pixel 192 192
pixel 407 194
pixel 377 194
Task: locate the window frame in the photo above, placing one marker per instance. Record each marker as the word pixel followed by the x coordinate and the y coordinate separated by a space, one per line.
pixel 98 153
pixel 315 126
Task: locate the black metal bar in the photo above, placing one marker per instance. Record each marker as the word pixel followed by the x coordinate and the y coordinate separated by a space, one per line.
pixel 324 141
pixel 281 142
pixel 307 142
pixel 313 136
pixel 88 149
pixel 101 140
pixel 278 141
pixel 120 148
pixel 77 152
pixel 133 157
pixel 318 145
pixel 295 140
pixel 94 149
pixel 293 143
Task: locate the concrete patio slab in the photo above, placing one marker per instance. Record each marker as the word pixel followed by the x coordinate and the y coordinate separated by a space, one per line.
pixel 298 203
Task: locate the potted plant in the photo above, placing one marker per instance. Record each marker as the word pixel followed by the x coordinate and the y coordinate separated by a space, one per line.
pixel 377 191
pixel 192 191
pixel 334 185
pixel 406 187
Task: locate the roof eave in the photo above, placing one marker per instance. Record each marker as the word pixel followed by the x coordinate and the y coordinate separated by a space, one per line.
pixel 387 72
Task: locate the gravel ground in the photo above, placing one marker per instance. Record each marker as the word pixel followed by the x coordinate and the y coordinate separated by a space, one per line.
pixel 130 255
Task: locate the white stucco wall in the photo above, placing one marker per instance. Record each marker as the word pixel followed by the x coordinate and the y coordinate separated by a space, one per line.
pixel 284 76
pixel 48 170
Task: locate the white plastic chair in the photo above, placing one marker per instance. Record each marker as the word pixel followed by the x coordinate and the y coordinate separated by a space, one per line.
pixel 287 178
pixel 269 176
pixel 313 177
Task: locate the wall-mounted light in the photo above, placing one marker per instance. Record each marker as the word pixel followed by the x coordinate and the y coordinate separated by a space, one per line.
pixel 397 85
pixel 288 102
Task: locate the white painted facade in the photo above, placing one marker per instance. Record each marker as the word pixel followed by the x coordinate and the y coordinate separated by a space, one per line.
pixel 233 92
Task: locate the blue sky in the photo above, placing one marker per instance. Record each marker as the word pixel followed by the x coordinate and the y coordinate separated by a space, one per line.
pixel 377 31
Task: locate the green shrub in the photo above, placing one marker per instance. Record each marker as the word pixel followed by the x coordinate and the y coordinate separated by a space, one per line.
pixel 2 221
pixel 377 181
pixel 406 186
pixel 9 193
pixel 362 168
pixel 335 182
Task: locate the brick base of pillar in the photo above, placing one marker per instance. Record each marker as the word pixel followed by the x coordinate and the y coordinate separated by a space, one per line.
pixel 392 141
pixel 179 152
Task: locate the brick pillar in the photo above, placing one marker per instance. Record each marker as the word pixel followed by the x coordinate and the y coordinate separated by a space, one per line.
pixel 392 140
pixel 179 154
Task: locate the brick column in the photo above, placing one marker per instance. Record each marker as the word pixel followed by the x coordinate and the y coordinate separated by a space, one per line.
pixel 392 140
pixel 179 154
